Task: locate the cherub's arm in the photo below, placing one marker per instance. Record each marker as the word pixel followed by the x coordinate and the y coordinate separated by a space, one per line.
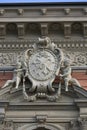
pixel 66 73
pixel 18 70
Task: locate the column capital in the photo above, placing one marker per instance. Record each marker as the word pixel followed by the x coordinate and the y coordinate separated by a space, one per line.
pixel 74 125
pixel 7 125
pixel 83 122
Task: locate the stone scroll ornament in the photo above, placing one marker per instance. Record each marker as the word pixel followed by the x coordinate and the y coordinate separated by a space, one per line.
pixel 40 64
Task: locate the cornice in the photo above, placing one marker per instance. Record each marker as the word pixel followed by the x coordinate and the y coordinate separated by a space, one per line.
pixel 26 13
pixel 21 44
pixel 44 19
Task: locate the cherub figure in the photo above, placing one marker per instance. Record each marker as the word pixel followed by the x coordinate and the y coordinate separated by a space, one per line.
pixel 19 73
pixel 22 67
pixel 17 77
pixel 66 75
pixel 21 70
pixel 27 55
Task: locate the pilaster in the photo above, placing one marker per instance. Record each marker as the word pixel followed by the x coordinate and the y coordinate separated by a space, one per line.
pixel 20 30
pixel 67 30
pixel 85 29
pixel 44 29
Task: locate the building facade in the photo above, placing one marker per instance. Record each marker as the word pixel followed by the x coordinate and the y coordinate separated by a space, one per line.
pixel 20 27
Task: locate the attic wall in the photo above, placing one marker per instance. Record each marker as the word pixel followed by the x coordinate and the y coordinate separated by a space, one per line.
pixel 20 27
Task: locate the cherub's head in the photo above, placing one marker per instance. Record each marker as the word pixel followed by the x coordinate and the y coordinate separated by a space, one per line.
pixel 66 62
pixel 19 65
pixel 28 53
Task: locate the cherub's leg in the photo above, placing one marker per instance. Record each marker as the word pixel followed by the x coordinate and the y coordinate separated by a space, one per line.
pixel 8 83
pixel 26 73
pixel 66 84
pixel 18 80
pixel 75 82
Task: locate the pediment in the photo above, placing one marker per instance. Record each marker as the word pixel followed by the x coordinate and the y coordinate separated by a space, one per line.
pixel 17 95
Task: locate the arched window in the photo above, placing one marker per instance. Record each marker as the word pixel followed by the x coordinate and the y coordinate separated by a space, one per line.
pixel 11 29
pixel 56 29
pixel 44 127
pixel 32 29
pixel 76 29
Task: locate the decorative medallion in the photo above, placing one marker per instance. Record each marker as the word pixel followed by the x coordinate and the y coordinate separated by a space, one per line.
pixel 42 65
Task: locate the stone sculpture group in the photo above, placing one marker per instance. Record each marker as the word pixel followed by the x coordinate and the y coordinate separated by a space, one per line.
pixel 40 64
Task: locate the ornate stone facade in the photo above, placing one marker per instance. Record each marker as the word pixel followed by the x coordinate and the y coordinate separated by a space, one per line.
pixel 20 27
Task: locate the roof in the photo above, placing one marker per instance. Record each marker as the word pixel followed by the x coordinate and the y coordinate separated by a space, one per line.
pixel 68 3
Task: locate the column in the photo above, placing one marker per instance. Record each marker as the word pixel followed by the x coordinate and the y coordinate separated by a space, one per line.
pixel 44 29
pixel 20 30
pixel 67 30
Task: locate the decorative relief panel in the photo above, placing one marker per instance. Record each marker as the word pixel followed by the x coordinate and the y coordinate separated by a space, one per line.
pixel 77 58
pixel 7 59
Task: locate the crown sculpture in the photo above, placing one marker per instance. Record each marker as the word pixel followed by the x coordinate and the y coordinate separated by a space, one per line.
pixel 37 70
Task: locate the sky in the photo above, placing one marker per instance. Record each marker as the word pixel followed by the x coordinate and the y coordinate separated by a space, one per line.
pixel 36 1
